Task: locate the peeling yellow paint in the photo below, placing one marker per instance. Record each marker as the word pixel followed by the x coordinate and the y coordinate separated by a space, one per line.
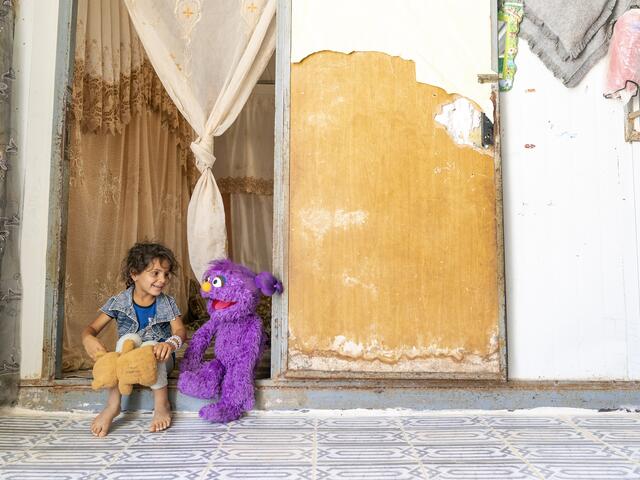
pixel 354 282
pixel 462 120
pixel 392 243
pixel 318 221
pixel 330 362
pixel 375 350
pixel 421 31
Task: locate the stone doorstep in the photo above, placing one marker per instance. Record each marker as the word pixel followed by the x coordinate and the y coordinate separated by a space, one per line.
pixel 76 394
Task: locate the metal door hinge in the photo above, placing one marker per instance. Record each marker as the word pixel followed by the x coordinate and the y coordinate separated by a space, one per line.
pixel 488 78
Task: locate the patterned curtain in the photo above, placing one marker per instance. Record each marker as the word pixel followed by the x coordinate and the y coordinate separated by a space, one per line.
pixel 209 55
pixel 132 173
pixel 130 170
pixel 10 211
pixel 244 173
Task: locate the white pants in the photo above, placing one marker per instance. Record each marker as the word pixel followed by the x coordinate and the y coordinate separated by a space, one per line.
pixel 163 367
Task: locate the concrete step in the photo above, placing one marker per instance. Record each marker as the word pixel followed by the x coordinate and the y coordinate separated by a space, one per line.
pixel 76 394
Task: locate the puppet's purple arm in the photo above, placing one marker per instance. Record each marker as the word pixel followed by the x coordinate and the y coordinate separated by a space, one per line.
pixel 198 344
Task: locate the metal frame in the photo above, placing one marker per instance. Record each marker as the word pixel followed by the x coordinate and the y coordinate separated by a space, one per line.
pixel 502 302
pixel 54 306
pixel 281 227
pixel 631 115
pixel 280 305
pixel 58 195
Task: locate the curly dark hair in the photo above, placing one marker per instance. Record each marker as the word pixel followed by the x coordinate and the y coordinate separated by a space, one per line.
pixel 141 255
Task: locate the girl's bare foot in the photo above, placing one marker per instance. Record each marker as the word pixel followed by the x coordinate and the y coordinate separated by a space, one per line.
pixel 101 424
pixel 161 417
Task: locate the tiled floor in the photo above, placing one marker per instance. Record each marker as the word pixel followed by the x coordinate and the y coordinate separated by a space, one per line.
pixel 327 445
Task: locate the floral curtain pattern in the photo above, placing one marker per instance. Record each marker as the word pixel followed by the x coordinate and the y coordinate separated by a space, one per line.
pixel 132 186
pixel 10 212
pixel 131 174
pixel 113 79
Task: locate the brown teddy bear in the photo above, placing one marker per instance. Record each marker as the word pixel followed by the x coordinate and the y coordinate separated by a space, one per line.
pixel 132 365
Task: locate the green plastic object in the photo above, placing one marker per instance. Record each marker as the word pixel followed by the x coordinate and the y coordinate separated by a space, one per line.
pixel 510 13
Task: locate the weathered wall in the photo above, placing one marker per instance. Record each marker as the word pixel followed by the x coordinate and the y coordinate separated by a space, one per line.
pixel 35 52
pixel 571 215
pixel 393 257
pixel 571 210
pixel 450 42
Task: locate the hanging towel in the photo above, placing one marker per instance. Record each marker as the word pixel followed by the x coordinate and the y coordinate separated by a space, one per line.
pixel 570 37
pixel 570 24
pixel 623 75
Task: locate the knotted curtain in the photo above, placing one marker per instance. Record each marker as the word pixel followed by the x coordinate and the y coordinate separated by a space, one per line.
pixel 209 56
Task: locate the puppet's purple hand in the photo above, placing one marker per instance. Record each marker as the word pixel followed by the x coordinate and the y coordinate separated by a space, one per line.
pixel 268 284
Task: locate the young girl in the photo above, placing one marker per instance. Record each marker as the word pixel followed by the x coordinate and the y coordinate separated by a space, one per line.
pixel 143 309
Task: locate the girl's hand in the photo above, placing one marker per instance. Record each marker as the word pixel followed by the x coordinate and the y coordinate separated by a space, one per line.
pixel 162 351
pixel 93 346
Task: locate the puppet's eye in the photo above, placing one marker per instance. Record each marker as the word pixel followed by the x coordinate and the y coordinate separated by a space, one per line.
pixel 218 281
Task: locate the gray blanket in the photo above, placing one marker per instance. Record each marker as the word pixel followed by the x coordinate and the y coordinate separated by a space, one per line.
pixel 570 36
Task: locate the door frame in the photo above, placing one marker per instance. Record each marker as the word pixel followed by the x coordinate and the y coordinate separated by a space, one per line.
pixel 58 194
pixel 280 303
pixel 281 213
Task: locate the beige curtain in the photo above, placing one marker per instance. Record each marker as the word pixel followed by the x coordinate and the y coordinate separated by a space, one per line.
pixel 129 168
pixel 244 173
pixel 209 55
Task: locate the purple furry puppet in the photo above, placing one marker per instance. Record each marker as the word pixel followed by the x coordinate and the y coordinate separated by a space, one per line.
pixel 232 293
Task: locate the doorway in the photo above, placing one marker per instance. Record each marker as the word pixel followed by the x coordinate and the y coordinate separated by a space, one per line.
pixel 131 174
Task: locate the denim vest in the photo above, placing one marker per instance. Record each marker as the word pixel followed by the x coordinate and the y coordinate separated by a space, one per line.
pixel 120 307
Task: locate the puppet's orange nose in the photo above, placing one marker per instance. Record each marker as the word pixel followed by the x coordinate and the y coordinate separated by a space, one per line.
pixel 206 286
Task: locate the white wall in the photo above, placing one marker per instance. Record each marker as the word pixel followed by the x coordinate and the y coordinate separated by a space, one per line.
pixel 33 98
pixel 570 217
pixel 570 214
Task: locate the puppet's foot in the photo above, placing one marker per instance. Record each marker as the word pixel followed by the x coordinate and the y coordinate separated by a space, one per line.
pixel 194 385
pixel 221 412
pixel 205 383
